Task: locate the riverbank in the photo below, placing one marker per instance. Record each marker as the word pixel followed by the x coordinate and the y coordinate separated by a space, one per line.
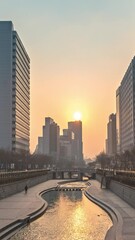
pixel 22 208
pixel 122 214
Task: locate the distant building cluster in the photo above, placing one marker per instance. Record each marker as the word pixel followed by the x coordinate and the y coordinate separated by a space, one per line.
pixel 66 147
pixel 121 126
pixel 48 144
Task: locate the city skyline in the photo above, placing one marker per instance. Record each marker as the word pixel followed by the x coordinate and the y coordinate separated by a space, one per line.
pixel 64 148
pixel 79 54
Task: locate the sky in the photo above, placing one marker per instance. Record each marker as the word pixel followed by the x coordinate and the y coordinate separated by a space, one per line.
pixel 79 51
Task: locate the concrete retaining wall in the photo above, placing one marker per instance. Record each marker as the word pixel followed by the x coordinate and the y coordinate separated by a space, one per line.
pixel 125 192
pixel 16 187
pixel 98 177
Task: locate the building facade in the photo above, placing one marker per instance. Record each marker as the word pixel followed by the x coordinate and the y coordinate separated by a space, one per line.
pixel 39 148
pixel 125 110
pixel 48 144
pixel 66 146
pixel 75 128
pixel 118 120
pixel 14 91
pixel 111 136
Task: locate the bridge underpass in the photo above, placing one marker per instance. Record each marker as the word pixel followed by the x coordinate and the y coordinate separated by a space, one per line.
pixel 64 174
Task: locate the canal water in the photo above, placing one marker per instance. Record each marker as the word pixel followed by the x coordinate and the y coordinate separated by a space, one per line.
pixel 70 216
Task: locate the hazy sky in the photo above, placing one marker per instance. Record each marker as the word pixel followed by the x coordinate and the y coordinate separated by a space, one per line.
pixel 79 51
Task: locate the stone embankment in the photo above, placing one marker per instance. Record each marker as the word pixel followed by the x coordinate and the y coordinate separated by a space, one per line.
pixel 125 192
pixel 121 213
pixel 9 189
pixel 17 210
pixel 20 209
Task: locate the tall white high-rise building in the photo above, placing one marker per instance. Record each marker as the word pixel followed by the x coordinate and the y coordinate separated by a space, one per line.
pixel 125 110
pixel 14 90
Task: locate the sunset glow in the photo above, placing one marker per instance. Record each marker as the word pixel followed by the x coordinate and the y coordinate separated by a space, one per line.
pixel 77 116
pixel 79 52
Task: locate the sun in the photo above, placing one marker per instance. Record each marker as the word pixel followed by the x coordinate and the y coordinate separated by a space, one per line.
pixel 77 116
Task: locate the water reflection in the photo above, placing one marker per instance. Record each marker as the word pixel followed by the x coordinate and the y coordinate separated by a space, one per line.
pixel 54 196
pixel 70 216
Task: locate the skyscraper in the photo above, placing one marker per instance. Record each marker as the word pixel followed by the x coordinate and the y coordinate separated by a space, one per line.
pixel 48 144
pixel 111 135
pixel 125 110
pixel 77 146
pixel 118 121
pixel 14 90
pixel 66 141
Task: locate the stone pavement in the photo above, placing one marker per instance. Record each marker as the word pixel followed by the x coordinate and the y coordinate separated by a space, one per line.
pixel 21 206
pixel 122 213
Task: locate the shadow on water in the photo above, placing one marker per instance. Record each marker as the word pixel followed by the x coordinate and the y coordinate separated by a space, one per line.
pixel 53 197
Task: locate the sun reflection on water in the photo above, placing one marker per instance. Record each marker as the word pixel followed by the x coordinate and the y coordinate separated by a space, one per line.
pixel 71 217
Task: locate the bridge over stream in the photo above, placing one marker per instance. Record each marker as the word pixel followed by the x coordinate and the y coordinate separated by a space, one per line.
pixel 14 176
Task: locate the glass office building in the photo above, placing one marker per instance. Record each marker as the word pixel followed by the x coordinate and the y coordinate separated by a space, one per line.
pixel 14 91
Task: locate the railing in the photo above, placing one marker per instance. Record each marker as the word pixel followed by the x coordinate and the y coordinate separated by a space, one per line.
pixel 7 177
pixel 123 176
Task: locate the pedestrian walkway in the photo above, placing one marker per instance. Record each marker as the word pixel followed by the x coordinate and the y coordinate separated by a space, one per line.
pixel 121 212
pixel 18 208
pixel 15 209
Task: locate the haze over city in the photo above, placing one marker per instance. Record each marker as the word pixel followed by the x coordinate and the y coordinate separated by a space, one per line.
pixel 79 52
